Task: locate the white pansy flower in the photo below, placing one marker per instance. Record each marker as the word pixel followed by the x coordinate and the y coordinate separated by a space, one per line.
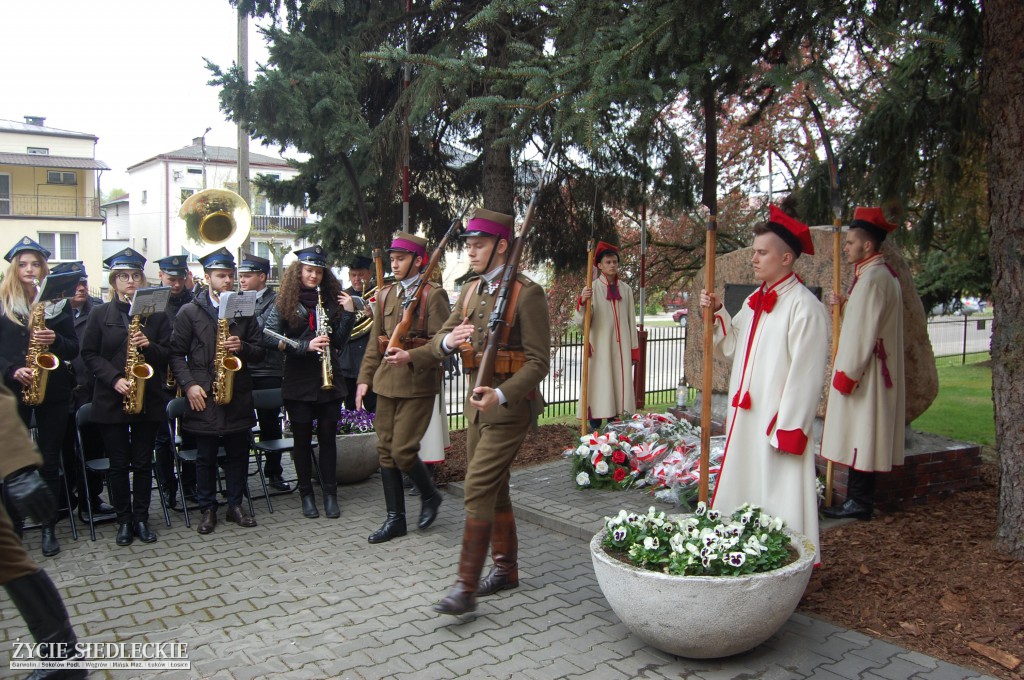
pixel 677 542
pixel 651 543
pixel 583 479
pixel 714 515
pixel 702 508
pixel 736 559
pixel 619 534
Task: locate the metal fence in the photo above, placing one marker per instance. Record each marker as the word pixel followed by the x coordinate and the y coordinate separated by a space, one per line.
pixel 561 388
pixel 960 336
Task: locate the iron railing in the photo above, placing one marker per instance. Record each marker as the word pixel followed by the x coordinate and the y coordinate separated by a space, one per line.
pixel 41 205
pixel 561 388
pixel 952 337
pixel 263 224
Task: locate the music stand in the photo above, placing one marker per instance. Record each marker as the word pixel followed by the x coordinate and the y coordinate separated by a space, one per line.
pixel 235 305
pixel 56 286
pixel 149 301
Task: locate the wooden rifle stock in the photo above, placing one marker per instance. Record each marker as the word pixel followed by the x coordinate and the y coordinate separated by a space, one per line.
pixel 412 302
pixel 485 370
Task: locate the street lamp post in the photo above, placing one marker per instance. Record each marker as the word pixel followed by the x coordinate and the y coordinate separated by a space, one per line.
pixel 204 156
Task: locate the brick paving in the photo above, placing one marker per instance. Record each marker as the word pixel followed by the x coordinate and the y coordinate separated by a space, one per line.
pixel 299 598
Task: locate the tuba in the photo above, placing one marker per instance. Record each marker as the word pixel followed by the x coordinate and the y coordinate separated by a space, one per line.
pixel 37 358
pixel 136 370
pixel 363 321
pixel 215 218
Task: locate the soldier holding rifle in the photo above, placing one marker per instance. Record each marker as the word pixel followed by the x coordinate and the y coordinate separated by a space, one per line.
pixel 501 406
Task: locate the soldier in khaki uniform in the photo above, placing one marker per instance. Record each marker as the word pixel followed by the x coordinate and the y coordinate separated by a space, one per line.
pixel 406 382
pixel 499 415
pixel 28 586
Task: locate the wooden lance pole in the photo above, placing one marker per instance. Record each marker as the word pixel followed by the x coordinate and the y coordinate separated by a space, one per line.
pixel 584 401
pixel 836 199
pixel 710 200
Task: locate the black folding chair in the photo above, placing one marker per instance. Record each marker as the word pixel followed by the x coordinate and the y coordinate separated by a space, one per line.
pixel 266 400
pixel 175 410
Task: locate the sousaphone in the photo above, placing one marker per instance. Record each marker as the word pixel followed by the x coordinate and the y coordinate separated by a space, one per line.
pixel 215 218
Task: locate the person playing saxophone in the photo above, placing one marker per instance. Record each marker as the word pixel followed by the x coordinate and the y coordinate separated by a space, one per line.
pixel 114 344
pixel 55 335
pixel 307 285
pixel 196 345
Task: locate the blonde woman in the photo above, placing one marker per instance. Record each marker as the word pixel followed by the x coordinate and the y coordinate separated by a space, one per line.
pixel 17 293
pixel 127 438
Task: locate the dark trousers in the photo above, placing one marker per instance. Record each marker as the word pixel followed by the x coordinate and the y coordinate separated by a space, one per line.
pixel 301 414
pixel 130 449
pixel 270 423
pixel 369 401
pixel 236 467
pixel 51 421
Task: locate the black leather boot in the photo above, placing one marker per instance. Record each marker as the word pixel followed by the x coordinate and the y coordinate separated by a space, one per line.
pixel 432 498
pixel 860 497
pixel 309 506
pixel 476 538
pixel 41 606
pixel 50 544
pixel 331 509
pixel 504 575
pixel 394 524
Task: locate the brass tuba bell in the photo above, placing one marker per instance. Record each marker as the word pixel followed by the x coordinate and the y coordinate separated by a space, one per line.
pixel 215 218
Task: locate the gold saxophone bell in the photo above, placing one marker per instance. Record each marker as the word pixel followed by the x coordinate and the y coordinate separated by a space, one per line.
pixel 215 218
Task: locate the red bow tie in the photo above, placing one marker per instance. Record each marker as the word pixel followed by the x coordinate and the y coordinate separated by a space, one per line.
pixel 763 301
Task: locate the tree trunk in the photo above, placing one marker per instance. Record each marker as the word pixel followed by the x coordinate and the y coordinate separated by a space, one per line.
pixel 1003 96
pixel 498 178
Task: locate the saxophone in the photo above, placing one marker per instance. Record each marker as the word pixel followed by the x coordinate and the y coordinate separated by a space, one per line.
pixel 136 370
pixel 323 328
pixel 227 365
pixel 37 358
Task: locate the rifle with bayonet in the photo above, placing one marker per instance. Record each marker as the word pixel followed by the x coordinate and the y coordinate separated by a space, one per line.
pixel 485 366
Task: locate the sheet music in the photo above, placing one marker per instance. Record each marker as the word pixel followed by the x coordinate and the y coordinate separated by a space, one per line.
pixel 234 305
pixel 149 301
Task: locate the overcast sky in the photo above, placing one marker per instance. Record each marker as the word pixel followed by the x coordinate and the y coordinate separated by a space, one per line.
pixel 130 72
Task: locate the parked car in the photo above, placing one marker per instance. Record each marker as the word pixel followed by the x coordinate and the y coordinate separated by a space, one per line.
pixel 679 316
pixel 968 306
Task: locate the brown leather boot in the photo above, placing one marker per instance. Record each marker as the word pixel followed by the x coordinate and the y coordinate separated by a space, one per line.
pixel 209 521
pixel 504 575
pixel 475 540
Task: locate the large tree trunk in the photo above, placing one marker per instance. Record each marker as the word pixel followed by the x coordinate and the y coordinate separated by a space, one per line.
pixel 1003 93
pixel 498 178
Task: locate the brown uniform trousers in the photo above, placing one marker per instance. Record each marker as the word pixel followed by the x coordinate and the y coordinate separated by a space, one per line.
pixel 18 452
pixel 405 394
pixel 494 437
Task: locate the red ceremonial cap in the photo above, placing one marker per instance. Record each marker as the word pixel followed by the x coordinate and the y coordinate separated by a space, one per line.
pixel 872 220
pixel 792 231
pixel 602 249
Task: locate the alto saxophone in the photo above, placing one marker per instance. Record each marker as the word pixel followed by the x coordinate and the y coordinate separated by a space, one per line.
pixel 324 328
pixel 227 365
pixel 136 370
pixel 37 358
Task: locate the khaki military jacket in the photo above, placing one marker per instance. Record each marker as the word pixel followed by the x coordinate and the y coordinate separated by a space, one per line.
pixel 420 377
pixel 530 332
pixel 18 451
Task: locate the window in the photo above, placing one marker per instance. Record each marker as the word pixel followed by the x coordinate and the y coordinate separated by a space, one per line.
pixel 185 193
pixel 64 247
pixel 145 195
pixel 263 249
pixel 57 177
pixel 5 194
pixel 195 171
pixel 38 151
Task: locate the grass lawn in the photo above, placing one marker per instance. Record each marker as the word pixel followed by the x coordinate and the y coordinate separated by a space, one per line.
pixel 963 408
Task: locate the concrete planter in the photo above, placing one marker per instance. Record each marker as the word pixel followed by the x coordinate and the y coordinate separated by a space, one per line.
pixel 357 457
pixel 702 617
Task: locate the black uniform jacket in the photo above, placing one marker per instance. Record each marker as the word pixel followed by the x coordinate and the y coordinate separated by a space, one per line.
pixel 193 353
pixel 302 373
pixel 14 347
pixel 105 353
pixel 272 365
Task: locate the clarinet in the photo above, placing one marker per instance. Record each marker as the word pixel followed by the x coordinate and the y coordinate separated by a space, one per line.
pixel 323 328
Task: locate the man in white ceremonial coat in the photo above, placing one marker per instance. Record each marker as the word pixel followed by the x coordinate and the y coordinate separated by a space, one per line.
pixel 613 340
pixel 778 346
pixel 866 401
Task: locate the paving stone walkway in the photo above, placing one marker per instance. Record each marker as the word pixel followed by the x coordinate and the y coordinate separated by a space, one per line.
pixel 299 598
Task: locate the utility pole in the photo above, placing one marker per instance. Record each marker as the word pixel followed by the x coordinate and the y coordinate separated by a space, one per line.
pixel 243 128
pixel 204 156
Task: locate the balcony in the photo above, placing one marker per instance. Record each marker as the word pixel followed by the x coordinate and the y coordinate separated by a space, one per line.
pixel 39 205
pixel 274 224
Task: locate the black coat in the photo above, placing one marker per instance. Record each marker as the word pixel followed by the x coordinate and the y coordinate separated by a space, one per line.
pixel 352 353
pixel 14 347
pixel 174 305
pixel 83 376
pixel 274 363
pixel 105 352
pixel 193 353
pixel 302 377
